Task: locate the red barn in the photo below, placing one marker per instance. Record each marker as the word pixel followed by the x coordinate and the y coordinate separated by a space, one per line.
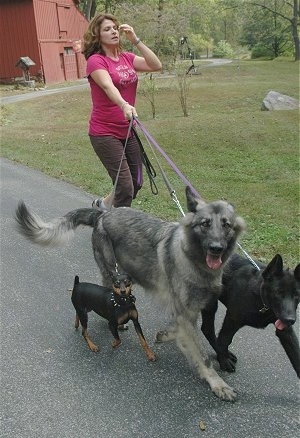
pixel 48 32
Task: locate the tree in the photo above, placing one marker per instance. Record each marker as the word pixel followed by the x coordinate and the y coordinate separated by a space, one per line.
pixel 183 88
pixel 161 23
pixel 87 7
pixel 90 7
pixel 266 34
pixel 149 90
pixel 287 10
pixel 278 8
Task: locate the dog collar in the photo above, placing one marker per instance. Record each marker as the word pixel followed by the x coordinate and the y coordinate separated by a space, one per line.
pixel 122 301
pixel 264 308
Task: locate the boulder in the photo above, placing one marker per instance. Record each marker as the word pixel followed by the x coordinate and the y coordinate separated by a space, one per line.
pixel 277 101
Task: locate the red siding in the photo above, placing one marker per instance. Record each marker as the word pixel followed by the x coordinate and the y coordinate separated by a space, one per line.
pixel 18 37
pixel 45 31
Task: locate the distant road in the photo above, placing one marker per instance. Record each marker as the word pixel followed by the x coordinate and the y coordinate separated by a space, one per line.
pixel 39 93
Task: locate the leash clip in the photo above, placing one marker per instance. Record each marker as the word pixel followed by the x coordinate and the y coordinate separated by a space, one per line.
pixel 175 199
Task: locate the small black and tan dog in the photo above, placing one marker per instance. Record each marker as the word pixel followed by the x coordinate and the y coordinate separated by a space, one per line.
pixel 257 298
pixel 116 305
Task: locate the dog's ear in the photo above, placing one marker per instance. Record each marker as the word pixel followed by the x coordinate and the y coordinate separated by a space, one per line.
pixel 230 207
pixel 187 219
pixel 239 225
pixel 297 273
pixel 193 202
pixel 274 268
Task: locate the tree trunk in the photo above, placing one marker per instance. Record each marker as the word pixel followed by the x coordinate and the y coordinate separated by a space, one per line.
pixel 295 30
pixel 88 9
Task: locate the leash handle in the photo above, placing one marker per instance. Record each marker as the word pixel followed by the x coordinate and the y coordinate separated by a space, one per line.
pixel 148 166
pixel 167 182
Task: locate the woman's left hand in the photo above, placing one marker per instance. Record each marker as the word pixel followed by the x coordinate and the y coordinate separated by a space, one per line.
pixel 129 32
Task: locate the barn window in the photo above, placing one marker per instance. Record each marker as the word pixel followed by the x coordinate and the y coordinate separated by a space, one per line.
pixel 68 50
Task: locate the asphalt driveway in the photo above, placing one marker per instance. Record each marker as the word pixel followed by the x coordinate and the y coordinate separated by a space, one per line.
pixel 53 386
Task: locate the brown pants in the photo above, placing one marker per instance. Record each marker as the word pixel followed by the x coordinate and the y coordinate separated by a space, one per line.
pixel 110 150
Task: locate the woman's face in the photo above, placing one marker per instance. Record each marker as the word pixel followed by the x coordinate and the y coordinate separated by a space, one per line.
pixel 109 33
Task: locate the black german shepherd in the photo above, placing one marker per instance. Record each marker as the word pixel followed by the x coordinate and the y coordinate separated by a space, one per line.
pixel 255 297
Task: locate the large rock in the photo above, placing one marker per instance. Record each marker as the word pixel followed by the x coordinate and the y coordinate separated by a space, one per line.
pixel 278 101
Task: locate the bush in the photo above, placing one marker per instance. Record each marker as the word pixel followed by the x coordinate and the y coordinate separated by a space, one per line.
pixel 223 50
pixel 261 51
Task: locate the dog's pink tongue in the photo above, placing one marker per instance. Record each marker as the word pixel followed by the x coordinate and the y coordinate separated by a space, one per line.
pixel 280 325
pixel 213 262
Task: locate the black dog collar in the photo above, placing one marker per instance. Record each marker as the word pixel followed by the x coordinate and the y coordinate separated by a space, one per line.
pixel 119 301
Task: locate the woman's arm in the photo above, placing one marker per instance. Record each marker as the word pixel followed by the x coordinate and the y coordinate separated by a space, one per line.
pixel 103 80
pixel 148 61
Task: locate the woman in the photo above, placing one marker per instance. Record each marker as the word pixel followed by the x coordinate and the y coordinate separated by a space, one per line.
pixel 113 79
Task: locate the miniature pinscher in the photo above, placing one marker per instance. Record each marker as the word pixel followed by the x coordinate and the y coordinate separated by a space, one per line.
pixel 116 305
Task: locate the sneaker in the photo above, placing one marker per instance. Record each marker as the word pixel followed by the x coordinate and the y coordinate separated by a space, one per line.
pixel 99 204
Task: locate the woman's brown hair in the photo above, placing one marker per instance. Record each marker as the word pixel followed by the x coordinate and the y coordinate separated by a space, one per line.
pixel 91 38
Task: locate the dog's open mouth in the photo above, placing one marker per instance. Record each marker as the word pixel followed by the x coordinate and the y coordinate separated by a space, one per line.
pixel 213 261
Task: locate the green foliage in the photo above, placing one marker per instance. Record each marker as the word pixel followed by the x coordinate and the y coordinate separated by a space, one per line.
pixel 200 45
pixel 183 85
pixel 266 34
pixel 149 90
pixel 261 51
pixel 4 115
pixel 223 50
pixel 162 22
pixel 91 7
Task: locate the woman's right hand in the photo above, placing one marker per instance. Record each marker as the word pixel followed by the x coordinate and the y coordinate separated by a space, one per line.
pixel 129 111
pixel 129 33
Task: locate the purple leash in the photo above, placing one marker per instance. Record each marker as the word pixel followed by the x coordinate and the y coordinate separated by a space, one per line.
pixel 163 153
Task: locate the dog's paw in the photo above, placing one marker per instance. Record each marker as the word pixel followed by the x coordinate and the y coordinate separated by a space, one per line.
pixel 232 357
pixel 161 336
pixel 151 356
pixel 93 347
pixel 164 336
pixel 115 343
pixel 225 392
pixel 218 386
pixel 228 363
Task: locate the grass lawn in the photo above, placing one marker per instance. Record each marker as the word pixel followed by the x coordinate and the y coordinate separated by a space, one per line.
pixel 227 147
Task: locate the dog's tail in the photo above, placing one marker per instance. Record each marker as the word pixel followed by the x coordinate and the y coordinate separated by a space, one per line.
pixel 76 280
pixel 57 231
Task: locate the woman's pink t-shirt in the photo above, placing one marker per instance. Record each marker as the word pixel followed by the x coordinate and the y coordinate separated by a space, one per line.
pixel 106 117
